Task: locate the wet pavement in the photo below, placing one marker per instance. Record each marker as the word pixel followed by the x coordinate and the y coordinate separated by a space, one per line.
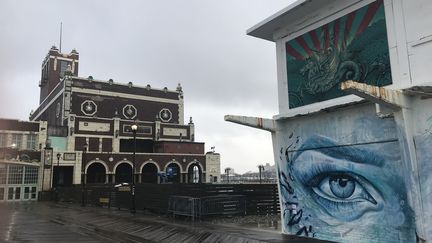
pixel 22 222
pixel 50 222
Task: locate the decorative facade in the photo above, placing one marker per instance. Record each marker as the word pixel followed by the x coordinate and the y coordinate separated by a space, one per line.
pixel 89 126
pixel 353 135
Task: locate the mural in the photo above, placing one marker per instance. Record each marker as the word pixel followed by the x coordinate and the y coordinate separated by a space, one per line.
pixel 353 47
pixel 351 191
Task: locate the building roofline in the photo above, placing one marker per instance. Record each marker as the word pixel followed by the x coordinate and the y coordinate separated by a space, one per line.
pixel 269 25
pixel 121 84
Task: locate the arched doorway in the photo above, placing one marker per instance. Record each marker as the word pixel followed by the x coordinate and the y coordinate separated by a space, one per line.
pixel 194 173
pixel 173 173
pixel 96 173
pixel 149 173
pixel 123 173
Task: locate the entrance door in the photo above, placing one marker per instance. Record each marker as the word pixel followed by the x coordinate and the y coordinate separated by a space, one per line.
pixel 14 193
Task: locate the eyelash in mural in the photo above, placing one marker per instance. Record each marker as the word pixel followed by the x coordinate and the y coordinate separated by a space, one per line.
pixel 342 194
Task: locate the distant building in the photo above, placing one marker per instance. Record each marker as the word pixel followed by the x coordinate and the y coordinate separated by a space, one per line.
pixel 88 129
pixel 268 175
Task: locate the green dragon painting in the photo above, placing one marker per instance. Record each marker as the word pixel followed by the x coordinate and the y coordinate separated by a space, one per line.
pixel 353 47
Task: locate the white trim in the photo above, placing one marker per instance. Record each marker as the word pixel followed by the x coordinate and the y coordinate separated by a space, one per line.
pixel 132 107
pixel 149 162
pixel 90 135
pixel 50 103
pixel 94 92
pixel 160 115
pixel 173 162
pixel 194 162
pixel 130 153
pixel 3 161
pixel 84 112
pixel 97 161
pixel 121 162
pixel 19 132
pixel 63 58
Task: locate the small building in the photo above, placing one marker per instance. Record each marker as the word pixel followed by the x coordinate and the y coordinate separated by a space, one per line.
pixel 89 128
pixel 20 159
pixel 353 135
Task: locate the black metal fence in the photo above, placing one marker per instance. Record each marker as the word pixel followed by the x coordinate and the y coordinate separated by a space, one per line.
pixel 196 200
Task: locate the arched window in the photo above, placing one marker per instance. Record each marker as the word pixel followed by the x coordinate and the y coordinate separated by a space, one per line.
pixel 123 173
pixel 149 173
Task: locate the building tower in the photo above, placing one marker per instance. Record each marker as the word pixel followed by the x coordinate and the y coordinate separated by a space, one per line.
pixel 54 67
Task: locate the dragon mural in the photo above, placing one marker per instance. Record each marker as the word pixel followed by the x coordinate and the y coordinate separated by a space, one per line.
pixel 353 47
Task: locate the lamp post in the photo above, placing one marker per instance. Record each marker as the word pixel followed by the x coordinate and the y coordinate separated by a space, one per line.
pixel 83 180
pixel 227 171
pixel 260 168
pixel 134 130
pixel 57 177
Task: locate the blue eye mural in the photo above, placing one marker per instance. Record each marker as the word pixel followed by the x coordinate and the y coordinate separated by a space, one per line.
pixel 328 187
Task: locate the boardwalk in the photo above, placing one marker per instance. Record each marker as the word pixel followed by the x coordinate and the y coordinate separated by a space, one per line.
pixel 49 222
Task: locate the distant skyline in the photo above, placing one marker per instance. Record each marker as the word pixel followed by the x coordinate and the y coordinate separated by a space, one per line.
pixel 201 44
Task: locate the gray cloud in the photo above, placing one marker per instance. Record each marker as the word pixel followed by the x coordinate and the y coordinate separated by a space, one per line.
pixel 199 43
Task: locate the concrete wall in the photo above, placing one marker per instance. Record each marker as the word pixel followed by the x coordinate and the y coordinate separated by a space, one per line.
pixel 355 168
pixel 346 174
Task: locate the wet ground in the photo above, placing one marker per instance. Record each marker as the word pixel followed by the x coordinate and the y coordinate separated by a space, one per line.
pixel 50 222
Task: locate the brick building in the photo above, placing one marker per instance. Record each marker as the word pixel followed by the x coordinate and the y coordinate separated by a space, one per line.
pixel 89 128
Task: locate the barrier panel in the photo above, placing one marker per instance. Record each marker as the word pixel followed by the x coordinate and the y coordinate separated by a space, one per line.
pixel 195 200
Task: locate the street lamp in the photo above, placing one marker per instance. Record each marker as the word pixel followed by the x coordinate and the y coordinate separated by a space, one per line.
pixel 134 130
pixel 57 177
pixel 83 180
pixel 227 171
pixel 260 168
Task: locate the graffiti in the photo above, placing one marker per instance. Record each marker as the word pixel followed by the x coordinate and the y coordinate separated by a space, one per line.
pixel 291 215
pixel 342 189
pixel 353 47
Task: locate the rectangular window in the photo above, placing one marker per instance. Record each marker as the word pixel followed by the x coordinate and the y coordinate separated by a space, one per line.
pixel 31 141
pixel 10 193
pixel 15 174
pixel 16 140
pixel 17 193
pixel 63 67
pixel 2 190
pixel 3 169
pixel 26 192
pixel 3 140
pixel 30 175
pixel 33 193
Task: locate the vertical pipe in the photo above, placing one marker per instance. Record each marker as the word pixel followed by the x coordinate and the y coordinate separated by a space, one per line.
pixel 133 210
pixel 83 181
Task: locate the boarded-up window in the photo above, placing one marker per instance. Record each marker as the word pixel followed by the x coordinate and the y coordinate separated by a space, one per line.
pixel 106 145
pixel 94 144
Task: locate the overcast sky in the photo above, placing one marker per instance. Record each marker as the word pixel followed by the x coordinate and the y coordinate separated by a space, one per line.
pixel 201 44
